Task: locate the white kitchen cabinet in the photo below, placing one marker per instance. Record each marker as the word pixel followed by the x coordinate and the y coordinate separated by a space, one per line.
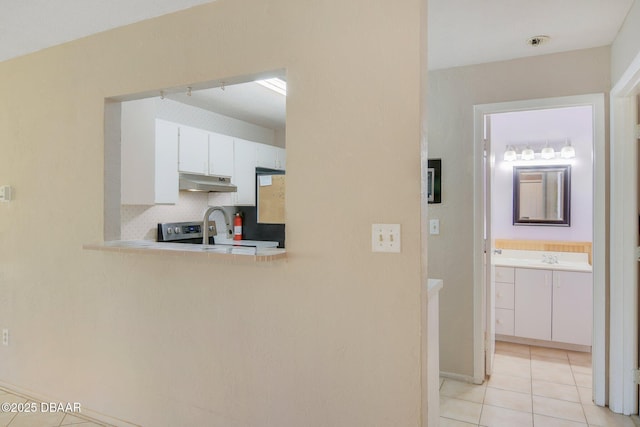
pixel 244 173
pixel 572 307
pixel 166 172
pixel 269 156
pixel 149 155
pixel 220 154
pixel 532 303
pixel 193 151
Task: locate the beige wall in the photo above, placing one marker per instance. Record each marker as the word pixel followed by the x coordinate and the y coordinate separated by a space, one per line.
pixel 452 93
pixel 331 337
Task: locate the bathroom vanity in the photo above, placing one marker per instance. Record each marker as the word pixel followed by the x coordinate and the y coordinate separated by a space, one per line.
pixel 543 296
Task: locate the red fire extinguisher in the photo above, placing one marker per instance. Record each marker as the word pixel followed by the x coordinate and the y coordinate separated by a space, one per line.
pixel 237 227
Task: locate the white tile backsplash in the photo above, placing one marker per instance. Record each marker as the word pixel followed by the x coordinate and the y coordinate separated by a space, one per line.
pixel 140 222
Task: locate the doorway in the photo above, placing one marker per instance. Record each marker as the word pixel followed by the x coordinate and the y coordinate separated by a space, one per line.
pixel 505 122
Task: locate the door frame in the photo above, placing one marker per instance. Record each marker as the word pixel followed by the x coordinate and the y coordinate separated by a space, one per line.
pixel 623 356
pixel 597 101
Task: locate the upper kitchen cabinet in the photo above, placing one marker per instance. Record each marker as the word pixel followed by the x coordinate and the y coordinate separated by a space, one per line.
pixel 220 154
pixel 270 157
pixel 193 151
pixel 244 174
pixel 149 155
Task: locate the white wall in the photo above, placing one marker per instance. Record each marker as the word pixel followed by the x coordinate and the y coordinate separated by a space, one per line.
pixel 452 95
pixel 535 128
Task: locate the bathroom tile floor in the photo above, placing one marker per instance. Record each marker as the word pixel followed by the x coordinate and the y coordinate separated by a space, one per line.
pixel 530 387
pixel 12 414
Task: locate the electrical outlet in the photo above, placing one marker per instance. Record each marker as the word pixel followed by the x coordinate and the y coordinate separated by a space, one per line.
pixel 385 237
pixel 5 337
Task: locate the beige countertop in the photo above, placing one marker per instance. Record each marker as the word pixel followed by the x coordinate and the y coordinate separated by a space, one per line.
pixel 244 253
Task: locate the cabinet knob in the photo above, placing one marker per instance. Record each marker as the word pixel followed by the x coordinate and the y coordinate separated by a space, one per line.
pixel 499 321
pixel 499 294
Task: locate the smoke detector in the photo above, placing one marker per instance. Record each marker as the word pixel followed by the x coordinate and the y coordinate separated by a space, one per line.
pixel 536 41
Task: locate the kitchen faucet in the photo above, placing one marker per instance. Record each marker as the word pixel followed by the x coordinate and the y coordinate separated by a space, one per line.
pixel 205 223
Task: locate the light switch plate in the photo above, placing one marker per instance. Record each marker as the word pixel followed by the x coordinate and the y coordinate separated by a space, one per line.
pixel 385 238
pixel 5 193
pixel 434 226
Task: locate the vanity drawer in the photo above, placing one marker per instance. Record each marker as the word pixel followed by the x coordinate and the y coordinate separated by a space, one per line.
pixel 504 295
pixel 504 321
pixel 505 274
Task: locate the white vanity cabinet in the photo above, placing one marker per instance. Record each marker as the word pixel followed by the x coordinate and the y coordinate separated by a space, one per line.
pixel 193 151
pixel 549 305
pixel 533 297
pixel 572 307
pixel 504 302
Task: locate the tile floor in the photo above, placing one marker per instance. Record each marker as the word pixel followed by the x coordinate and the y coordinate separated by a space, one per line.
pixel 39 419
pixel 530 387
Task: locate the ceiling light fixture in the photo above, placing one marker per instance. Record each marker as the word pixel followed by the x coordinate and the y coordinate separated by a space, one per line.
pixel 275 84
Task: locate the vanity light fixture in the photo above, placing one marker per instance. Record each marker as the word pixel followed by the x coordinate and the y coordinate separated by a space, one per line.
pixel 528 154
pixel 568 152
pixel 548 152
pixel 510 154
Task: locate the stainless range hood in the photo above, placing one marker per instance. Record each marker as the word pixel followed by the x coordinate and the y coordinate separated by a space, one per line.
pixel 210 183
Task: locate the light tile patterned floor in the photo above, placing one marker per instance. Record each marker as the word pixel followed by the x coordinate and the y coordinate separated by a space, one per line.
pixel 14 415
pixel 530 387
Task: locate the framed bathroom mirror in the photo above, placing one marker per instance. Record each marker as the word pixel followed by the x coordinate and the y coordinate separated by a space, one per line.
pixel 542 195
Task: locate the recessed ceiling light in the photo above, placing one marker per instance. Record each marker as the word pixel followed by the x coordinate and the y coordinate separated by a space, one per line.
pixel 536 41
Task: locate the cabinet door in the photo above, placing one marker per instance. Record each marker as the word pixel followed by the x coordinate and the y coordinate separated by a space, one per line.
pixel 267 156
pixel 193 153
pixel 166 170
pixel 282 159
pixel 504 295
pixel 504 321
pixel 532 315
pixel 244 174
pixel 220 154
pixel 572 307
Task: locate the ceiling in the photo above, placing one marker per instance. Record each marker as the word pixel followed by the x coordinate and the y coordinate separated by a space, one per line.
pixel 465 32
pixel 461 32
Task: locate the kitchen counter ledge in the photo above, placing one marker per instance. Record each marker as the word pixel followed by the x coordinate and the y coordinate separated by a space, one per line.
pixel 219 252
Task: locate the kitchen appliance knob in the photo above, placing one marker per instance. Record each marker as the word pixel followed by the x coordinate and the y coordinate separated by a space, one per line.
pixel 177 230
pixel 169 230
pixel 211 228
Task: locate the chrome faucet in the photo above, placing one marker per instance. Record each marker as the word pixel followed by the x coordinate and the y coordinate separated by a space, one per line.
pixel 205 223
pixel 549 259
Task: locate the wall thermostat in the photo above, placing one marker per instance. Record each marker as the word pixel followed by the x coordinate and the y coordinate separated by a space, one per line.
pixel 5 193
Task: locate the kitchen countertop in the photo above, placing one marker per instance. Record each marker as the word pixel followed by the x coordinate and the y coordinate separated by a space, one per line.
pixel 245 253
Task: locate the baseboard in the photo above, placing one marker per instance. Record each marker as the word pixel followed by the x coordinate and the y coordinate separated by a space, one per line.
pixel 84 413
pixel 543 343
pixel 458 377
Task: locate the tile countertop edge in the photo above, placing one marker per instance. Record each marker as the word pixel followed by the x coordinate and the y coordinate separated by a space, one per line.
pixel 260 257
